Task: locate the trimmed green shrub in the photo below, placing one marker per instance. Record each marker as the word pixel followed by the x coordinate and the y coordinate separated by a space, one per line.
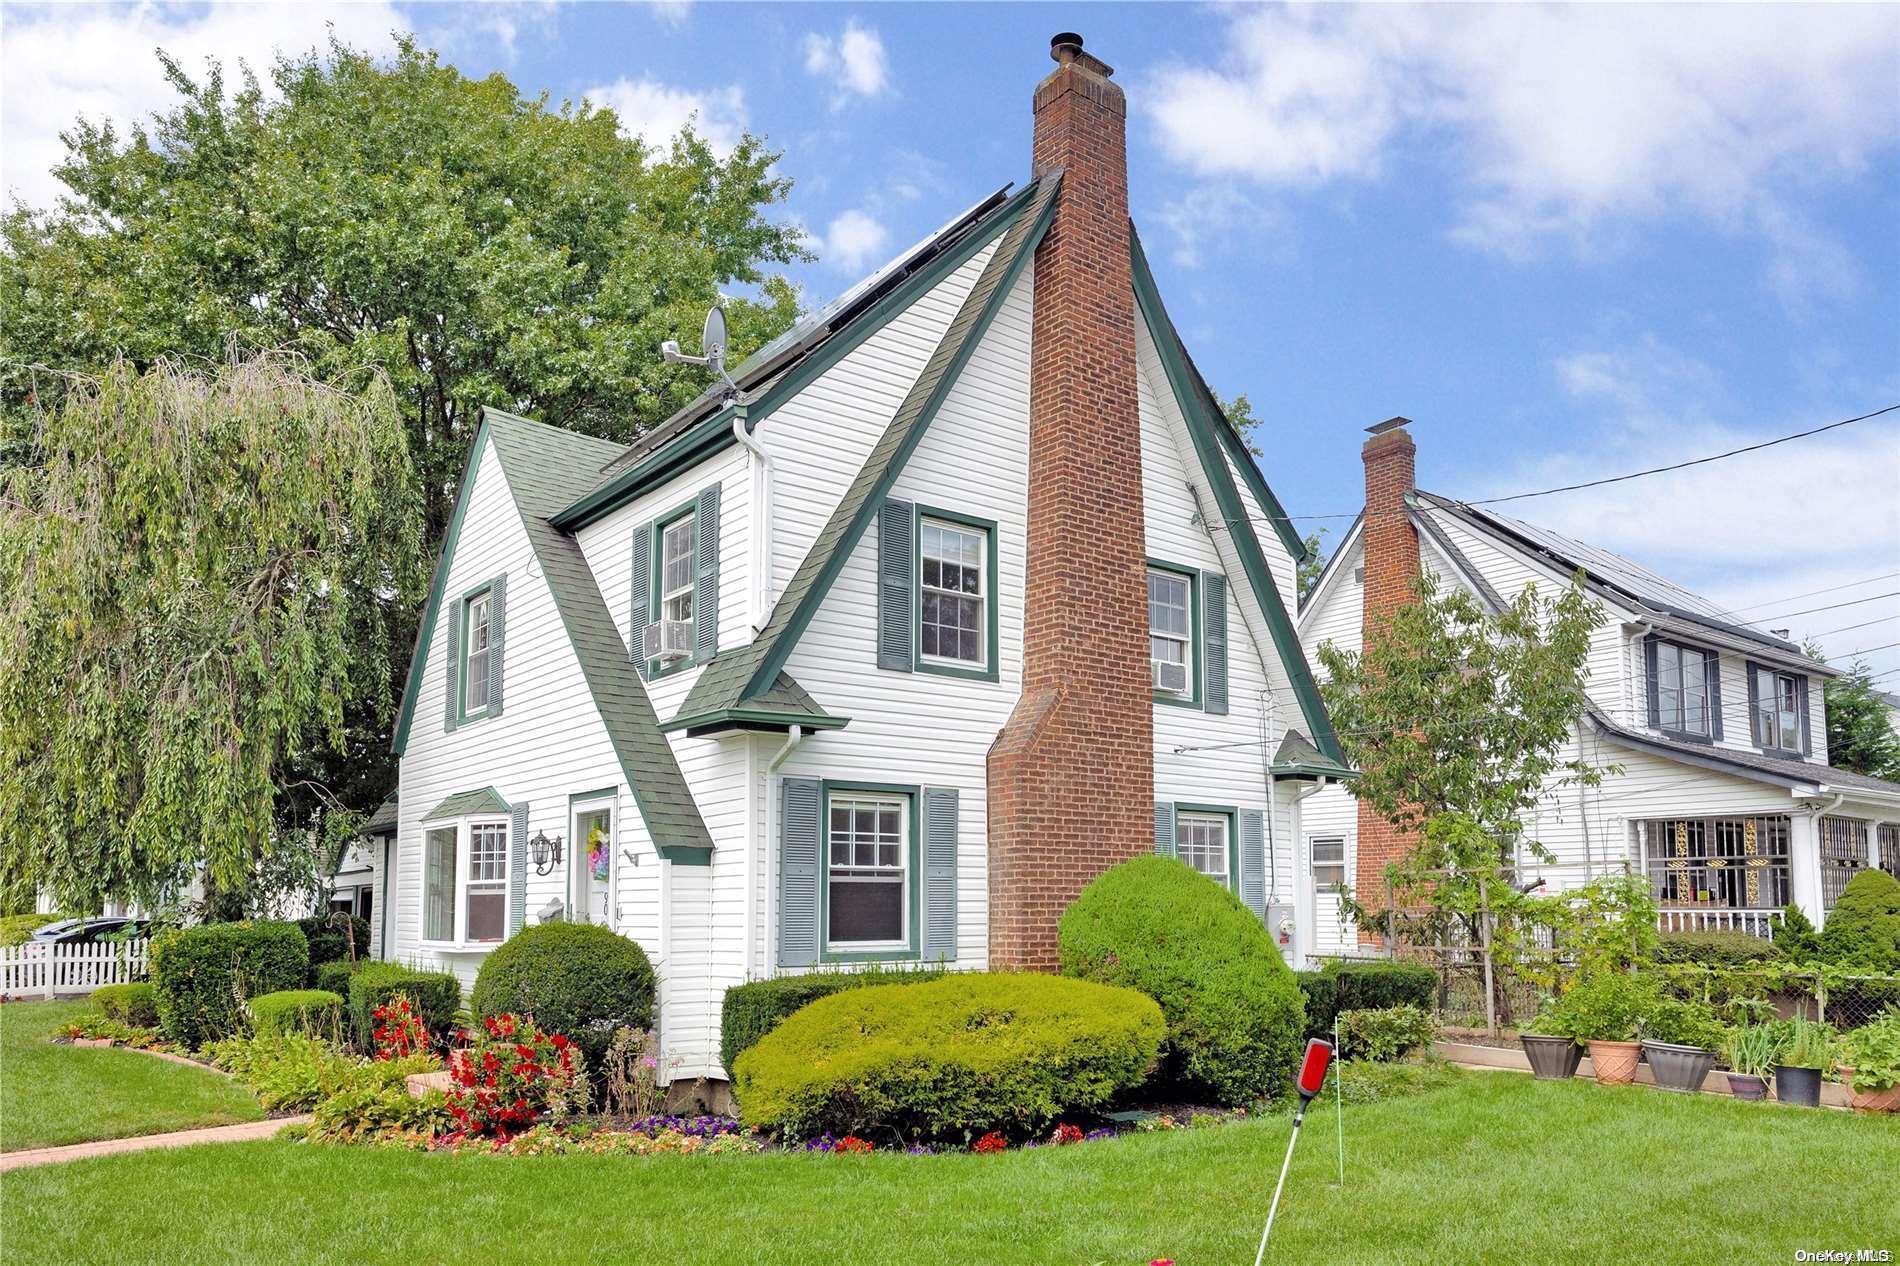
pixel 330 936
pixel 754 1009
pixel 1714 948
pixel 16 929
pixel 578 979
pixel 1322 1002
pixel 134 1004
pixel 1796 936
pixel 437 996
pixel 1607 1006
pixel 1235 1015
pixel 199 973
pixel 307 1012
pixel 1373 984
pixel 949 1059
pixel 335 976
pixel 1385 1034
pixel 1863 930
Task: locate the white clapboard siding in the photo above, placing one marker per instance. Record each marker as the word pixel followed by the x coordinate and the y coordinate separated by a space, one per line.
pixel 39 970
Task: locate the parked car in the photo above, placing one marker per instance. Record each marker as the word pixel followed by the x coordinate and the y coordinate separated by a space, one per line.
pixel 87 931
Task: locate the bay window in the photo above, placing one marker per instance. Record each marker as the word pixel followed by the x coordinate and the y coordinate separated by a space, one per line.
pixel 465 882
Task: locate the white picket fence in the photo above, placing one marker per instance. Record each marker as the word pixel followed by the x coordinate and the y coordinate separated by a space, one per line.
pixel 44 971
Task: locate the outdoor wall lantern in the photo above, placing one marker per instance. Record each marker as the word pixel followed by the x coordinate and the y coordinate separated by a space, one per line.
pixel 545 853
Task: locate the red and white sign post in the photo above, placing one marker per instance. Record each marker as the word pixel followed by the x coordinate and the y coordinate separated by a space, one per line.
pixel 1319 1055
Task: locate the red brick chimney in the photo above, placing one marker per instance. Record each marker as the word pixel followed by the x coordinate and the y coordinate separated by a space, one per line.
pixel 1071 777
pixel 1391 574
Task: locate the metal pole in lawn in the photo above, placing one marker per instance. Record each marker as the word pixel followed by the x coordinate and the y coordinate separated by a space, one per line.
pixel 1319 1053
pixel 1339 1103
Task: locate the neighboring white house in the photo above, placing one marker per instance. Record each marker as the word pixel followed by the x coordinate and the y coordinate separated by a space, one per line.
pixel 1725 799
pixel 772 659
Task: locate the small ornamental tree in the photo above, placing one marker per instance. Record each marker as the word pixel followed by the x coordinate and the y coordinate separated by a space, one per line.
pixel 1863 929
pixel 195 582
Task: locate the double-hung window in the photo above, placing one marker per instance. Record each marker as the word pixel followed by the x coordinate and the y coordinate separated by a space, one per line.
pixel 951 616
pixel 1776 721
pixel 867 870
pixel 676 570
pixel 477 625
pixel 1200 840
pixel 1171 632
pixel 1329 863
pixel 465 882
pixel 1682 689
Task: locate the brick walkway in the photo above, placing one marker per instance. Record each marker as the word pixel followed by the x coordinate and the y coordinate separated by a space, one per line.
pixel 181 1138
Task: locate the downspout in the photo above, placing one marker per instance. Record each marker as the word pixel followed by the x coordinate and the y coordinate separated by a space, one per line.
pixel 759 559
pixel 771 829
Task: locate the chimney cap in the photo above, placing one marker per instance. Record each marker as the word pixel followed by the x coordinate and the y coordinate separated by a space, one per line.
pixel 1390 424
pixel 1064 42
pixel 1780 633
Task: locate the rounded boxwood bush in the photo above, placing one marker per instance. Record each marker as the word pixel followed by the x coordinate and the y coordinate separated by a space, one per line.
pixel 297 1013
pixel 1236 1016
pixel 579 979
pixel 1864 928
pixel 949 1059
pixel 135 1004
pixel 199 973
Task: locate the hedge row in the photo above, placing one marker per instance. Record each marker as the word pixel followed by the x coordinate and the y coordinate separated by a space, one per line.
pixel 297 1013
pixel 199 975
pixel 134 1004
pixel 1363 984
pixel 436 995
pixel 752 1010
pixel 331 937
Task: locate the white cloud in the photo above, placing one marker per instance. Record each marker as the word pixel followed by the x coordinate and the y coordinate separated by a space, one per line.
pixel 1213 216
pixel 1563 122
pixel 855 241
pixel 854 62
pixel 59 62
pixel 655 112
pixel 1742 531
pixel 672 12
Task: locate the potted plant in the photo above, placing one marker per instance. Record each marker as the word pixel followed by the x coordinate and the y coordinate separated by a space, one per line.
pixel 1803 1056
pixel 1872 1072
pixel 1751 1053
pixel 1603 1010
pixel 1552 1051
pixel 1681 1040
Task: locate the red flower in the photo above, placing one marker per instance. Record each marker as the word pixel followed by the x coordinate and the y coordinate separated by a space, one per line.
pixel 1066 1133
pixel 852 1143
pixel 991 1142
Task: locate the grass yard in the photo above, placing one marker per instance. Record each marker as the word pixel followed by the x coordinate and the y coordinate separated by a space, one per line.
pixel 1497 1167
pixel 66 1094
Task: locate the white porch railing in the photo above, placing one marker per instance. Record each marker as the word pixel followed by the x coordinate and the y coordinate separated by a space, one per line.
pixel 1700 919
pixel 43 971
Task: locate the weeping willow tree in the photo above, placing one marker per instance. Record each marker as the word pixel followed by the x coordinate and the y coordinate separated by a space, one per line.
pixel 196 577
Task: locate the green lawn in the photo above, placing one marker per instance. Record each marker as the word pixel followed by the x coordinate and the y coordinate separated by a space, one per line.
pixel 1496 1168
pixel 64 1094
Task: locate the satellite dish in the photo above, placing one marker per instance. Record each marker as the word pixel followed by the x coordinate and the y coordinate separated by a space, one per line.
pixel 712 339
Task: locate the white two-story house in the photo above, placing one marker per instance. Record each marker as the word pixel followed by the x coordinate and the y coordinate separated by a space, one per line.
pixel 1725 798
pixel 957 600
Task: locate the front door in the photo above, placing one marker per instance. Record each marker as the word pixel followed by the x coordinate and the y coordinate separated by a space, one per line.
pixel 591 863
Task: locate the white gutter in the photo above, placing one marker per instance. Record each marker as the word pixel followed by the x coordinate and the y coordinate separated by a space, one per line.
pixel 759 558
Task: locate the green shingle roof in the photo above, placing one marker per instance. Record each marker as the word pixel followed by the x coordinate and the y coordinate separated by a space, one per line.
pixel 544 465
pixel 749 675
pixel 463 803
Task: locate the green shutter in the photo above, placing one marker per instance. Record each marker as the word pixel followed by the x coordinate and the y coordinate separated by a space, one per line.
pixel 1164 828
pixel 706 576
pixel 1214 624
pixel 1253 861
pixel 640 585
pixel 453 711
pixel 895 552
pixel 798 869
pixel 518 868
pixel 497 635
pixel 940 874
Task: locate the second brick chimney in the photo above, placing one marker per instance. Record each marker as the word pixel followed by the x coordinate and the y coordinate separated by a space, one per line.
pixel 1071 777
pixel 1391 576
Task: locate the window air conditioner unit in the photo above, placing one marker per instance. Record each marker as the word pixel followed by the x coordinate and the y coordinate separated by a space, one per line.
pixel 667 640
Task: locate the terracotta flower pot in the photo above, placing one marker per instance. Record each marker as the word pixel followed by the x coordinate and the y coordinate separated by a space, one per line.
pixel 1748 1087
pixel 1887 1100
pixel 1615 1062
pixel 1552 1058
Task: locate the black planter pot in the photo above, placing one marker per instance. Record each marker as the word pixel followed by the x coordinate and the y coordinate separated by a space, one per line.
pixel 1552 1058
pixel 1677 1067
pixel 1747 1087
pixel 1798 1085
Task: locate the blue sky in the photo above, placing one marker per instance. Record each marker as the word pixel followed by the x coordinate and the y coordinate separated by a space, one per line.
pixel 1567 242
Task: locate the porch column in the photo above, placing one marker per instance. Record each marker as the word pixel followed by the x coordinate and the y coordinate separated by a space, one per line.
pixel 1804 864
